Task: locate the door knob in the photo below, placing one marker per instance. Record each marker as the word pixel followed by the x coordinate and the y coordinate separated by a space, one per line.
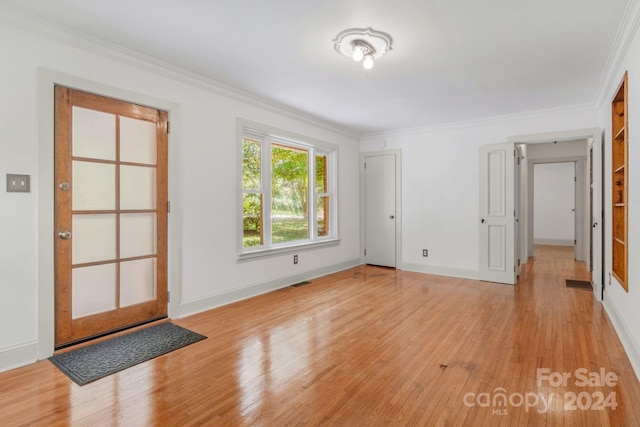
pixel 482 221
pixel 392 216
pixel 595 225
pixel 64 235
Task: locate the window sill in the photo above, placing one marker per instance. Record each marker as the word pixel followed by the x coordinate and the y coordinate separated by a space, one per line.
pixel 271 252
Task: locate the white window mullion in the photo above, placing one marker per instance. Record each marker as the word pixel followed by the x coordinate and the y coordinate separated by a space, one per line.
pixel 266 190
pixel 331 177
pixel 325 194
pixel 311 194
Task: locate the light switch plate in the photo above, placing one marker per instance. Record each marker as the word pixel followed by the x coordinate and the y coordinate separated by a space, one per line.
pixel 18 183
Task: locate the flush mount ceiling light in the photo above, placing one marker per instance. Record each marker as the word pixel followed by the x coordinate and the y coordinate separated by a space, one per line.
pixel 363 44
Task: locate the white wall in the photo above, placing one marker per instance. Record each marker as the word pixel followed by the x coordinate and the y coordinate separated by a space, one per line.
pixel 440 168
pixel 203 170
pixel 624 307
pixel 554 203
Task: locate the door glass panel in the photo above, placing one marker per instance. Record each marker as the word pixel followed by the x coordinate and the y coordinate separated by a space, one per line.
pixel 94 186
pixel 94 134
pixel 137 234
pixel 94 238
pixel 137 141
pixel 137 187
pixel 94 290
pixel 137 281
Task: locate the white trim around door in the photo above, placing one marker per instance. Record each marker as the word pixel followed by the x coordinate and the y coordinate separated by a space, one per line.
pixel 46 81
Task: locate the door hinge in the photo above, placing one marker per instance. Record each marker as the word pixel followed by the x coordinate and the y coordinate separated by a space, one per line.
pixel 514 268
pixel 168 206
pixel 365 165
pixel 168 296
pixel 365 252
pixel 168 127
pixel 575 242
pixel 518 262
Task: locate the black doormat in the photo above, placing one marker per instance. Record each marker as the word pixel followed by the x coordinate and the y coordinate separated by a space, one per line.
pixel 96 361
pixel 580 284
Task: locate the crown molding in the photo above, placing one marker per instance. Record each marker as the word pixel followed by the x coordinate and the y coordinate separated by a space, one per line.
pixel 488 121
pixel 621 44
pixel 52 30
pixel 627 30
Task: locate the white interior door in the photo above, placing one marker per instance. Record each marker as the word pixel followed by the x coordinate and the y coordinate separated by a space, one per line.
pixel 597 221
pixel 380 210
pixel 497 213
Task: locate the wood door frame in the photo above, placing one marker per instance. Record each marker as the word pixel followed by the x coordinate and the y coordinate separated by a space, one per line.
pixel 47 79
pixel 398 157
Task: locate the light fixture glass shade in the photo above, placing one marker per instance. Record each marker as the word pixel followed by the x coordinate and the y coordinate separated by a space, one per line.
pixel 358 53
pixel 368 62
pixel 362 45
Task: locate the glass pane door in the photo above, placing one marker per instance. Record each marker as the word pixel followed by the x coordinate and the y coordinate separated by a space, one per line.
pixel 111 242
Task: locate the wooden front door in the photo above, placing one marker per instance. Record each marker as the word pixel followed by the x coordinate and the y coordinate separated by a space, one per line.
pixel 110 215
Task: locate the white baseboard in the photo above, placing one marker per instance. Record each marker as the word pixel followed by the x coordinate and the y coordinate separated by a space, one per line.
pixel 18 355
pixel 212 301
pixel 441 271
pixel 630 345
pixel 27 353
pixel 555 242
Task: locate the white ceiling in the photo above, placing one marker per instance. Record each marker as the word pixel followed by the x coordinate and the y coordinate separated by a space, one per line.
pixel 452 60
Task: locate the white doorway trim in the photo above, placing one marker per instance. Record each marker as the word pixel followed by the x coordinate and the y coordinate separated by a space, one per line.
pixel 46 80
pixel 398 158
pixel 594 138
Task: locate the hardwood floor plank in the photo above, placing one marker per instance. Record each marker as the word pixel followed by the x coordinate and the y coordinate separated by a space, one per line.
pixel 366 346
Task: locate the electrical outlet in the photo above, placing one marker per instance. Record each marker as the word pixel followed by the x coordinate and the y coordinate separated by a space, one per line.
pixel 295 259
pixel 425 252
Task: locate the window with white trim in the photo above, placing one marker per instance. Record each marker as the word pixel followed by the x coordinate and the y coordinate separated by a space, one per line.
pixel 288 191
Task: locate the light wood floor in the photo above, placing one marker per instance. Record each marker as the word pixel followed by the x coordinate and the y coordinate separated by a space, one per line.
pixel 367 346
